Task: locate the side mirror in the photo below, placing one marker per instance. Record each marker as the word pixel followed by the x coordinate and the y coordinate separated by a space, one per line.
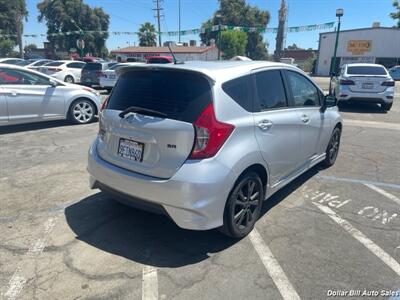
pixel 53 83
pixel 329 101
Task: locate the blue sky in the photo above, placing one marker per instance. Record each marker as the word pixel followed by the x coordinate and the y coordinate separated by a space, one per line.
pixel 127 15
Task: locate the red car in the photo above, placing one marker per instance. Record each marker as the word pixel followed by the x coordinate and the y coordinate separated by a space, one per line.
pixel 160 60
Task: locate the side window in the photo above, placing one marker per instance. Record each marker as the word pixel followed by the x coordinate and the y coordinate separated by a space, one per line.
pixel 75 65
pixel 304 92
pixel 239 89
pixel 270 90
pixel 9 76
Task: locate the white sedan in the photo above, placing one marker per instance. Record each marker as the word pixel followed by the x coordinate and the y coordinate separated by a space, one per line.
pixel 29 96
pixel 65 70
pixel 109 77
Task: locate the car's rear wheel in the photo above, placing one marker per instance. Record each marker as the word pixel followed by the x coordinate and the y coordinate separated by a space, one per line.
pixel 69 79
pixel 81 111
pixel 333 148
pixel 386 106
pixel 243 206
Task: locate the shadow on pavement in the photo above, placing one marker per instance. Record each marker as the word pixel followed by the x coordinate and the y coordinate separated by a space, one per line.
pixel 148 238
pixel 370 108
pixel 33 126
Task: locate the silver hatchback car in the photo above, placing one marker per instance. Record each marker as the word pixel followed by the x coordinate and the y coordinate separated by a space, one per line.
pixel 207 142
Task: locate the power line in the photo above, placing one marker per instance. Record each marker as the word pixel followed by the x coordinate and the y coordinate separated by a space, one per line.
pixel 158 10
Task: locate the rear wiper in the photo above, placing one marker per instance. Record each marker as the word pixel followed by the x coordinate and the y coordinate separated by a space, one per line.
pixel 142 111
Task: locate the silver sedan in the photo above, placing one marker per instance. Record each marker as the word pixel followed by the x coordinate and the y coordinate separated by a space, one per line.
pixel 29 96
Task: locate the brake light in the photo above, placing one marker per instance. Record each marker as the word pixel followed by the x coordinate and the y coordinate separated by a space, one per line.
pixel 100 74
pixel 388 83
pixel 210 134
pixel 104 104
pixel 346 82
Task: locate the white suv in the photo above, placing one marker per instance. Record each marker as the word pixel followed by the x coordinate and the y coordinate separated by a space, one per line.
pixel 208 142
pixel 364 83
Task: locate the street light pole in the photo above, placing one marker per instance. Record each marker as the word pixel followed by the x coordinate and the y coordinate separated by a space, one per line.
pixel 339 14
pixel 81 34
pixel 219 36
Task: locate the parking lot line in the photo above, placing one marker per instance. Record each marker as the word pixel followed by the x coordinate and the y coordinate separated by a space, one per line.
pixel 359 236
pixel 361 181
pixel 149 283
pixel 279 277
pixel 384 193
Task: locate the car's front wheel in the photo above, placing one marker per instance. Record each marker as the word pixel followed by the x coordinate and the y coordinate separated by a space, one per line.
pixel 333 148
pixel 81 111
pixel 243 206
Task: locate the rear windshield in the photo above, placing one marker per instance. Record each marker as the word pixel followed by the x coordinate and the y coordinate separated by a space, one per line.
pixel 55 64
pixel 23 63
pixel 41 63
pixel 180 95
pixel 158 60
pixel 93 66
pixel 115 66
pixel 366 70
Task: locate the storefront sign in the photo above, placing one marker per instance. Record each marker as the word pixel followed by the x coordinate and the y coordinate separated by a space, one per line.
pixel 359 47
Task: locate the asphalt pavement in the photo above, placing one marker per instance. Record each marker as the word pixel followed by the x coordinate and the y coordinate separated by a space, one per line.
pixel 331 232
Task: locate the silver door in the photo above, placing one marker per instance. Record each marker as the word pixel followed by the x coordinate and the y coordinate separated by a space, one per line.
pixel 3 107
pixel 307 98
pixel 30 97
pixel 277 127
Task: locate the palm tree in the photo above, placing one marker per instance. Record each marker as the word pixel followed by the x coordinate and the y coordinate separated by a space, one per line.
pixel 147 35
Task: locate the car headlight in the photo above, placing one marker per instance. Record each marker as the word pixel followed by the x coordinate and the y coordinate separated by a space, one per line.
pixel 92 91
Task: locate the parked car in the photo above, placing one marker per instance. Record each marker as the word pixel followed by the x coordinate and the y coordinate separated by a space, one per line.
pixel 395 72
pixel 29 96
pixel 160 60
pixel 368 83
pixel 11 61
pixel 65 70
pixel 208 142
pixel 109 77
pixel 93 71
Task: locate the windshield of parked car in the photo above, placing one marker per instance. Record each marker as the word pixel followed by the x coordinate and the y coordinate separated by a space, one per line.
pixel 23 62
pixel 366 70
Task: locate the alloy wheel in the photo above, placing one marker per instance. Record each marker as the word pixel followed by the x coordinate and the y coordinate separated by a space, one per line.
pixel 334 145
pixel 83 112
pixel 246 204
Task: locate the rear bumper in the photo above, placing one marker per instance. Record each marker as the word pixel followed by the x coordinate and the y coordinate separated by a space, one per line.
pixel 194 197
pixel 345 94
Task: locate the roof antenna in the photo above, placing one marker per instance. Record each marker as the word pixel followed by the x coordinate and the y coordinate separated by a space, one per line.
pixel 176 62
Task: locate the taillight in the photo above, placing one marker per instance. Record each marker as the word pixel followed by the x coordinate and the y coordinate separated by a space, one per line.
pixel 346 82
pixel 388 83
pixel 210 134
pixel 104 104
pixel 100 74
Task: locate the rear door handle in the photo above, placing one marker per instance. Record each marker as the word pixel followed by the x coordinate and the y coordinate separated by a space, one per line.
pixel 11 93
pixel 305 118
pixel 265 124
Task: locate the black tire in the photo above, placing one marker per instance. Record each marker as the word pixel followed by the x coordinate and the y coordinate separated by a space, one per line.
pixel 243 206
pixel 386 106
pixel 108 89
pixel 333 148
pixel 69 79
pixel 81 111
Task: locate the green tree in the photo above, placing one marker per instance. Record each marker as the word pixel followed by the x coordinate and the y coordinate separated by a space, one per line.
pixel 72 15
pixel 233 43
pixel 29 48
pixel 396 15
pixel 294 47
pixel 147 35
pixel 12 15
pixel 238 13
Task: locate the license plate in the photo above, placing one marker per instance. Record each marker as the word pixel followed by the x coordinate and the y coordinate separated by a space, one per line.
pixel 130 149
pixel 367 85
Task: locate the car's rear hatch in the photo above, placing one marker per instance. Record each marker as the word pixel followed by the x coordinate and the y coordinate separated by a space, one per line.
pixel 153 144
pixel 367 79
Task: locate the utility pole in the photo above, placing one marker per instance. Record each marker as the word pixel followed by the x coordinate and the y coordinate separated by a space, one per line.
pixel 179 22
pixel 18 24
pixel 158 16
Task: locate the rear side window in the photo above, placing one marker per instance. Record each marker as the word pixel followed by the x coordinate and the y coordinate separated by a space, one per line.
pixel 76 65
pixel 270 90
pixel 93 66
pixel 41 63
pixel 239 89
pixel 180 95
pixel 366 70
pixel 158 60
